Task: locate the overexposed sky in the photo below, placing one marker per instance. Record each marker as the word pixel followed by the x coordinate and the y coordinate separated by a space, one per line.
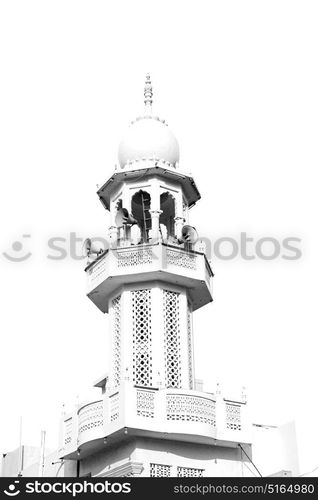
pixel 237 82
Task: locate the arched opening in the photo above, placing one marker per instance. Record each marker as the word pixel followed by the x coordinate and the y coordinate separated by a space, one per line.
pixel 140 207
pixel 167 206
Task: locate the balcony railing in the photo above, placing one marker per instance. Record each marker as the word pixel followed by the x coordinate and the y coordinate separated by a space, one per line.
pixel 165 412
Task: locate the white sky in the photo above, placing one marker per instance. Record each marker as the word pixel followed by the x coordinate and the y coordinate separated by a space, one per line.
pixel 237 82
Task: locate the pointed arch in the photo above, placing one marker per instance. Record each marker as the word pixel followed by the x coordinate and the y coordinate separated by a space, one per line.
pixel 167 217
pixel 140 207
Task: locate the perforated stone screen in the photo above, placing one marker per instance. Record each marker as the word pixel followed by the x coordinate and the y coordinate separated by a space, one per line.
pixel 142 339
pixel 171 315
pixel 116 324
pixel 160 470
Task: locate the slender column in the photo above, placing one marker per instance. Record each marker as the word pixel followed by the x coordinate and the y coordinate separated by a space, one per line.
pixel 155 212
pixel 179 218
pixel 155 226
pixel 125 230
pixel 179 223
pixel 113 230
pixel 113 235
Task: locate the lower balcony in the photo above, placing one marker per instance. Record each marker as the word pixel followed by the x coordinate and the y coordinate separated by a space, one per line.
pixel 172 414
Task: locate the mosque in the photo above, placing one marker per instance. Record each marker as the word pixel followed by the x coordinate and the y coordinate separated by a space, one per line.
pixel 152 417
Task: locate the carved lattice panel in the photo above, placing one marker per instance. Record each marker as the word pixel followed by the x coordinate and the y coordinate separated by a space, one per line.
pixel 233 417
pixel 190 349
pixel 114 407
pixel 181 259
pixel 142 342
pixel 190 409
pixel 116 327
pixel 134 257
pixel 189 472
pixel 145 404
pixel 90 416
pixel 160 470
pixel 171 315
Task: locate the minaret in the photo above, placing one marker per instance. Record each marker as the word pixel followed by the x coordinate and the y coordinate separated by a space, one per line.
pixel 149 281
pixel 156 279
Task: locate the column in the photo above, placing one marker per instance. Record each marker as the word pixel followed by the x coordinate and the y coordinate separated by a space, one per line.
pixel 179 217
pixel 113 236
pixel 179 223
pixel 155 226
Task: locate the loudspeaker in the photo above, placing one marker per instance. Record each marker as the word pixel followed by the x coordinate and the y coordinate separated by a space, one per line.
pixel 189 235
pixel 89 248
pixel 123 217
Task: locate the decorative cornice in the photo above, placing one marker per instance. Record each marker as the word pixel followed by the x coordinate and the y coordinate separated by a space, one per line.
pixel 129 468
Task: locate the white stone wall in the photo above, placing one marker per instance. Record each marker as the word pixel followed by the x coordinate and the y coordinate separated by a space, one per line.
pixel 178 458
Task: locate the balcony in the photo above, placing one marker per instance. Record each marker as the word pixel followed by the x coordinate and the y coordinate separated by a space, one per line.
pixel 142 263
pixel 176 414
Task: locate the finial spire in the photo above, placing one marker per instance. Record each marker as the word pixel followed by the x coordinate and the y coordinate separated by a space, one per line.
pixel 148 95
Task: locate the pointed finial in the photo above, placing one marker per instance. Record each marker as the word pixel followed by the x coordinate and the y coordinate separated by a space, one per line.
pixel 148 95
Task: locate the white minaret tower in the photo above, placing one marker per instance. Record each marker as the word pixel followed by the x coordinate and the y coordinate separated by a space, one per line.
pixel 151 419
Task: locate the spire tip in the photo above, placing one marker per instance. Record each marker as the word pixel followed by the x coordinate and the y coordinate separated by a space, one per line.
pixel 148 95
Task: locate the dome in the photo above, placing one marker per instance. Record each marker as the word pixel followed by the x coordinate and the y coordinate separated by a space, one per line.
pixel 147 138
